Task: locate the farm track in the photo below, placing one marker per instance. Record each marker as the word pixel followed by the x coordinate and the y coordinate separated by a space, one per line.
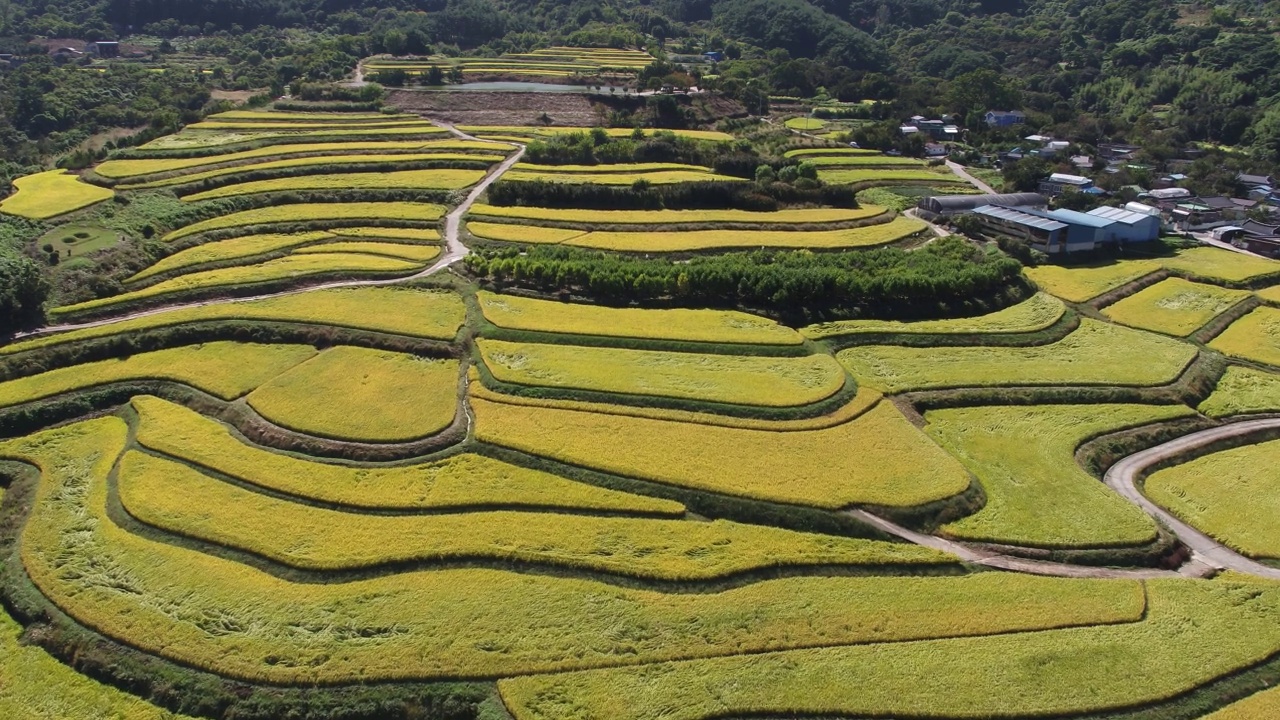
pixel 1208 555
pixel 1123 476
pixel 455 251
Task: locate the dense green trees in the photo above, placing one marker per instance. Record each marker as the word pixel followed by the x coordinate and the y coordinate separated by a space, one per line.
pixel 946 277
pixel 23 290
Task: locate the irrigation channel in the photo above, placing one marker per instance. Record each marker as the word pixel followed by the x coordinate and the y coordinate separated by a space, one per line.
pixel 1208 555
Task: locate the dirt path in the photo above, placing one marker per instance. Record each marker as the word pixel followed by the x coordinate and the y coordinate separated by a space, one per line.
pixel 1122 477
pixel 1024 565
pixel 455 250
pixel 959 170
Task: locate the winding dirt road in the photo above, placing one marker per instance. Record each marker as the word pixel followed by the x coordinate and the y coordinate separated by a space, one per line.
pixel 1122 477
pixel 959 170
pixel 455 250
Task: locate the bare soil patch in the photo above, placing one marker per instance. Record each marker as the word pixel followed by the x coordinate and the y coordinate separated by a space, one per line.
pixel 498 108
pixel 235 96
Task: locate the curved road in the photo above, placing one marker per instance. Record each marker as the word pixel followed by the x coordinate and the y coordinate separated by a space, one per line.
pixel 454 251
pixel 1122 477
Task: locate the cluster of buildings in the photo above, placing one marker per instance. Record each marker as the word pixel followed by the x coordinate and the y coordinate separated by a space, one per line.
pixel 1054 232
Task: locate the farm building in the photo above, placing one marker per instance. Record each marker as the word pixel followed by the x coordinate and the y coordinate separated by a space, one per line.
pixel 104 49
pixel 1066 231
pixel 949 205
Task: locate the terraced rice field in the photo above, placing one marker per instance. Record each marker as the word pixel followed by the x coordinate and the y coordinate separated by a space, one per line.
pixel 223 369
pixel 897 229
pixel 435 179
pixel 1036 313
pixel 1242 391
pixel 737 380
pixel 457 482
pixel 128 169
pixel 50 194
pixel 558 62
pixel 801 216
pixel 845 176
pixel 1230 495
pixel 290 267
pixel 384 397
pixel 1024 458
pixel 894 464
pixel 397 311
pixel 316 212
pixel 333 513
pixel 656 177
pixel 1174 306
pixel 1254 337
pixel 709 326
pixel 1016 675
pixel 1265 704
pixel 1095 354
pixel 804 123
pixel 316 161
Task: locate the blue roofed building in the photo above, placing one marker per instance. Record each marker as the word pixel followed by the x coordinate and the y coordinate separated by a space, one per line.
pixel 1067 231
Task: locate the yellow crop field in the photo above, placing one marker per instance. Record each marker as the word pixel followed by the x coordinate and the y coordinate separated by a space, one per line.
pixel 35 685
pixel 899 228
pixel 354 393
pixel 805 123
pixel 407 179
pixel 713 326
pixel 1174 306
pixel 845 176
pixel 658 177
pixel 889 461
pixel 291 267
pixel 863 161
pixel 305 125
pixel 733 379
pixel 50 194
pixel 159 492
pixel 1242 391
pixel 1255 337
pixel 1218 264
pixel 1232 495
pixel 316 212
pixel 225 250
pixel 225 369
pixel 609 168
pixel 526 130
pixel 521 233
pixel 1078 284
pixel 398 311
pixel 120 169
pixel 406 234
pixel 457 482
pixel 1271 294
pixel 1096 353
pixel 863 401
pixel 345 159
pixel 820 151
pixel 1035 313
pixel 1265 704
pixel 403 251
pixel 1024 456
pixel 789 216
pixel 1019 675
pixel 208 138
pixel 232 619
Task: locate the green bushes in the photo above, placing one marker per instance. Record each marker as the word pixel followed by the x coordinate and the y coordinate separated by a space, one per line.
pixel 887 282
pixel 677 196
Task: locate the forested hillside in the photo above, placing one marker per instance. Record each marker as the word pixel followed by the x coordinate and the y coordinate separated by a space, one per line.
pixel 1149 71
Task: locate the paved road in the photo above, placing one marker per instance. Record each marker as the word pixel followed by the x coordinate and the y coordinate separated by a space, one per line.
pixel 455 250
pixel 960 170
pixel 1122 477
